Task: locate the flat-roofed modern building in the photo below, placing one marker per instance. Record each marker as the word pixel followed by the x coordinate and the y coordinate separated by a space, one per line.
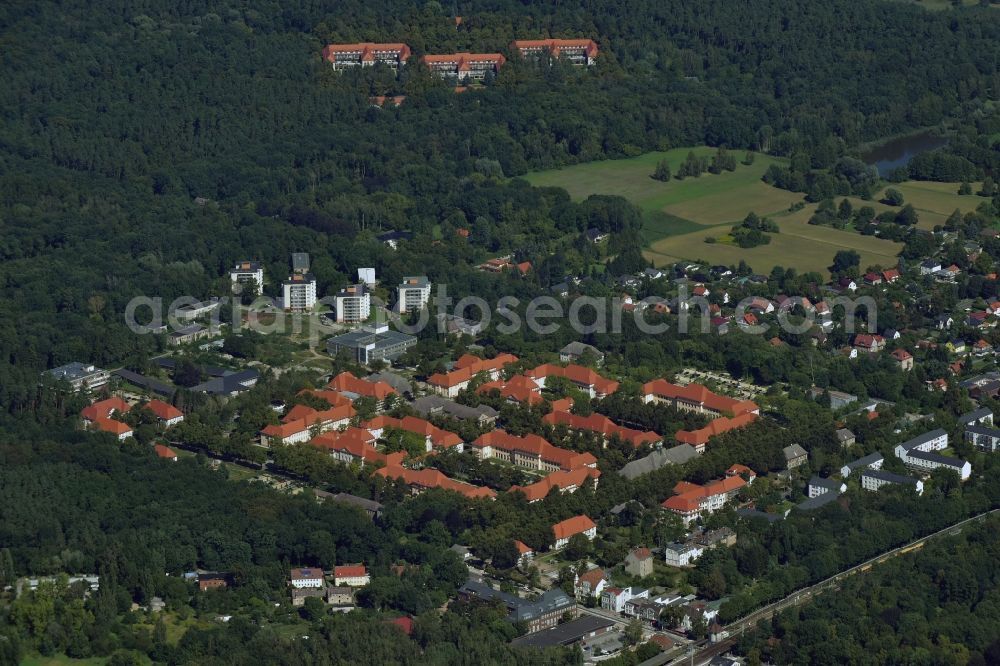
pixel 81 376
pixel 246 272
pixel 366 54
pixel 369 344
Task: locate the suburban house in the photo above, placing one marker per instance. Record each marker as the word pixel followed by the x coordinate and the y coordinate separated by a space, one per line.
pixel 351 575
pixel 524 551
pixel 639 562
pixel 873 479
pixel 866 342
pixel 615 598
pixel 583 378
pixel 903 358
pixel 845 437
pixel 590 584
pixel 681 554
pixel 165 452
pixel 565 530
pixel 795 456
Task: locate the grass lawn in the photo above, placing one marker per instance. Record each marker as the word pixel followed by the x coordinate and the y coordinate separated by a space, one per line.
pixel 679 205
pixel 934 202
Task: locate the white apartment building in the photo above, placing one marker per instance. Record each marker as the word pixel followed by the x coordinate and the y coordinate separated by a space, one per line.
pixel 307 577
pixel 353 304
pixel 414 293
pixel 246 272
pixel 299 293
pixel 873 479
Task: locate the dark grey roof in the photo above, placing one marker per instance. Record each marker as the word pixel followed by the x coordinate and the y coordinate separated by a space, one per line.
pixel 937 458
pixel 395 236
pixel 154 385
pixel 234 382
pixel 564 634
pixel 829 484
pixel 870 459
pixel 889 476
pixel 354 500
pixel 817 502
pixel 676 455
pixel 922 439
pixel 363 337
pixel 793 451
pixel 520 609
pixel 398 382
pixel 983 430
pixel 843 434
pixel 430 404
pixel 975 415
pixel 754 513
pixel 576 348
pixel 74 370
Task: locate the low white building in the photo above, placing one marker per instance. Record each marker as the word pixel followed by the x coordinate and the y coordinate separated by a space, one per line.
pixel 872 461
pixel 351 575
pixel 873 479
pixel 307 577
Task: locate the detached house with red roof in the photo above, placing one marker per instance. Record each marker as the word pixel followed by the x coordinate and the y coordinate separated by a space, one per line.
pixel 165 413
pixel 691 501
pixel 466 368
pixel 866 342
pixel 588 381
pixel 903 358
pixel 890 275
pixel 589 584
pixel 165 452
pixel 565 530
pixel 351 575
pixel 120 430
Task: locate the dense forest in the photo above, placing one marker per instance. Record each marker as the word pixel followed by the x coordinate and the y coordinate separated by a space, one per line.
pixel 146 146
pixel 937 606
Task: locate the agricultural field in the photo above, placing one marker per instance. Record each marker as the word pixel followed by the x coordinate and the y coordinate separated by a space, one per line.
pixel 680 215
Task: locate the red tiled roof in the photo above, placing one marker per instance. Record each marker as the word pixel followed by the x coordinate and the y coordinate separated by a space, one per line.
pixel 571 526
pixel 431 478
pixel 347 382
pixel 593 576
pixel 350 571
pixel 164 451
pixel 367 50
pixel 536 446
pixel 562 479
pixel 104 408
pixel 642 553
pixel 576 374
pixel 356 442
pixel 741 470
pixel 404 623
pixel 689 495
pixel 601 424
pixel 522 547
pixel 518 387
pixel 163 410
pixel 302 417
pixel 461 60
pixel 110 425
pixel 439 438
pixel 901 355
pixel 721 425
pixel 554 45
pixel 467 367
pixel 699 395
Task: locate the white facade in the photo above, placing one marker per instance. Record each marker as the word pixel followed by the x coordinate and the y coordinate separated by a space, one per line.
pixel 614 599
pixel 305 578
pixel 872 482
pixel 246 272
pixel 299 293
pixel 414 294
pixel 353 304
pixel 351 580
pixel 682 555
pixel 590 534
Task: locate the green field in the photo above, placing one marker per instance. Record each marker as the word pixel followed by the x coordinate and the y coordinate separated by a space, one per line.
pixel 61 660
pixel 679 215
pixel 681 205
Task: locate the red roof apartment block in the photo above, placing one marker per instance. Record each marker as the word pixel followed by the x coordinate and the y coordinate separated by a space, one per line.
pixel 601 424
pixel 464 65
pixel 699 438
pixel 692 500
pixel 530 451
pixel 435 438
pixel 365 54
pixel 516 389
pixel 431 478
pixel 346 382
pixel 584 378
pixel 566 482
pixel 466 368
pixel 165 412
pixel 577 51
pixel 104 409
pixel 696 398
